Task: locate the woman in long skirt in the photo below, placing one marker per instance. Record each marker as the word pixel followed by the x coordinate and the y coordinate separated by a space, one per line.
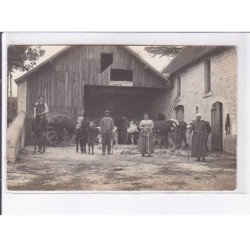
pixel 199 147
pixel 146 136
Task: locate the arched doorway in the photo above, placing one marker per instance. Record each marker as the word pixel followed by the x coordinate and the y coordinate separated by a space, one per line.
pixel 217 126
pixel 179 111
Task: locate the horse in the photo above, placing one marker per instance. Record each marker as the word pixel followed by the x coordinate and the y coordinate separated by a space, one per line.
pixel 62 127
pixel 178 134
pixel 92 134
pixel 82 136
pixel 39 130
pixel 114 137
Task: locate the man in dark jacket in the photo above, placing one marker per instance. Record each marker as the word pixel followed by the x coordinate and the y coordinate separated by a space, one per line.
pixel 41 106
pixel 40 109
pixel 107 126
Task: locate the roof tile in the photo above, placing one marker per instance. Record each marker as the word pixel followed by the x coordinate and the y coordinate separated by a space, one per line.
pixel 188 55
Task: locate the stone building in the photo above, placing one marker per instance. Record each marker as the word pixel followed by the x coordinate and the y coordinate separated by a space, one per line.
pixel 204 80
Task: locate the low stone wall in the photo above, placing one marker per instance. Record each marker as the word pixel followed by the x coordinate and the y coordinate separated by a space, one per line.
pixel 16 137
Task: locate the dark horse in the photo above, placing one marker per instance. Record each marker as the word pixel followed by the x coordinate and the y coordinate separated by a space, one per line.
pixel 82 136
pixel 178 134
pixel 93 132
pixel 64 127
pixel 39 131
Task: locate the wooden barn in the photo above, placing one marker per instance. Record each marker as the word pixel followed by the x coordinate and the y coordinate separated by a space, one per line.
pixel 93 78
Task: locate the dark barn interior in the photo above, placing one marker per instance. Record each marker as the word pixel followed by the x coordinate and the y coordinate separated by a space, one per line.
pixel 121 101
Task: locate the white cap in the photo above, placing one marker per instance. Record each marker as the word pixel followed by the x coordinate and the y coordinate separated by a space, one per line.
pixel 198 114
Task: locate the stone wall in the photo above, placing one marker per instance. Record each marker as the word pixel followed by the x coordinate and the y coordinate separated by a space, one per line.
pixel 22 97
pixel 16 137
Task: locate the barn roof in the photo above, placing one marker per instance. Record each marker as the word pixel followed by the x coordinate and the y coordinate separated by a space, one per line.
pixel 187 56
pixel 30 72
pixel 147 65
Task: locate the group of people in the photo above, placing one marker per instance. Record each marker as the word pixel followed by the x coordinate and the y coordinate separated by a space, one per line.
pixel 109 132
pixel 197 134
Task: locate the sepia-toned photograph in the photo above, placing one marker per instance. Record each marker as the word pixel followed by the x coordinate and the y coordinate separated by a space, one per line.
pixel 121 117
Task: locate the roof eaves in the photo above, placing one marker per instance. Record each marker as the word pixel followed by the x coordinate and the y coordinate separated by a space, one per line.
pixel 212 50
pixel 198 59
pixel 24 76
pixel 162 71
pixel 146 63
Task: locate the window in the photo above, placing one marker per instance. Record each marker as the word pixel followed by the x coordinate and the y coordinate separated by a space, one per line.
pixel 121 75
pixel 207 76
pixel 179 85
pixel 106 61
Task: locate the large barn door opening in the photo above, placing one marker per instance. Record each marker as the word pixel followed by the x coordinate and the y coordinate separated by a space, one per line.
pixel 126 102
pixel 179 110
pixel 216 126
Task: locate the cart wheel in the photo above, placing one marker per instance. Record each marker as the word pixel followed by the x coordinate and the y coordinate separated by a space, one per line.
pixel 66 138
pixel 52 136
pixel 58 117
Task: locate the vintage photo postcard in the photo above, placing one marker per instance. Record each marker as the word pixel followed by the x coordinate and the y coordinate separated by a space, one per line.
pixel 121 117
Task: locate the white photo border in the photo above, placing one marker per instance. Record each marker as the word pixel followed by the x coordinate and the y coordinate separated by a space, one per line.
pixel 165 202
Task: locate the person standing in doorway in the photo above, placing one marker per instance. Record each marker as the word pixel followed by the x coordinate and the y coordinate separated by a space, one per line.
pixel 107 126
pixel 146 136
pixel 198 146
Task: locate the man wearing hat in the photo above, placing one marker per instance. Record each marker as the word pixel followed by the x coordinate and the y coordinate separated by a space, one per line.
pixel 199 139
pixel 41 106
pixel 107 126
pixel 40 109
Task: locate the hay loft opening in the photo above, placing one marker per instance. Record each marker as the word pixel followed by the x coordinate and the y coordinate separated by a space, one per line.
pixel 106 61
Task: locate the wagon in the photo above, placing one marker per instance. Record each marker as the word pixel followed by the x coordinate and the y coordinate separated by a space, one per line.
pixel 60 130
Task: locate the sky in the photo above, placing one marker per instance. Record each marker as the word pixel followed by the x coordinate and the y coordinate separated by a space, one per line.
pixel 157 62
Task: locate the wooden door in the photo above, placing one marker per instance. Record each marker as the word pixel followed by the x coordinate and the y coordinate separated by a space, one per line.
pixel 216 126
pixel 179 113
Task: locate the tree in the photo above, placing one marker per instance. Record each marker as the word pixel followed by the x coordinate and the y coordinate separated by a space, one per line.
pixel 163 50
pixel 23 57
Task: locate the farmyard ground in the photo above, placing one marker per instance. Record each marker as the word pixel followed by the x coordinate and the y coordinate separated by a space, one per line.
pixel 125 170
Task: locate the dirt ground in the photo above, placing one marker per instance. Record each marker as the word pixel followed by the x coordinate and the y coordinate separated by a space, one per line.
pixel 125 170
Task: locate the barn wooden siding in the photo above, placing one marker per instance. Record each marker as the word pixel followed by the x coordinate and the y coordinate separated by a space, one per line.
pixel 62 80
